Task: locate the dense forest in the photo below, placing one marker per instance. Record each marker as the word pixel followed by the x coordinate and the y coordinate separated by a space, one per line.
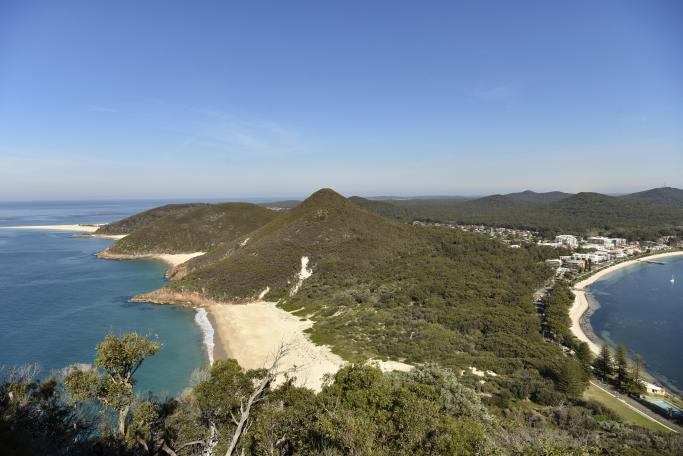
pixel 431 410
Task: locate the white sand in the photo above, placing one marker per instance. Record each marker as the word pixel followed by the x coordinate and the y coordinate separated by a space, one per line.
pixel 174 259
pixel 116 237
pixel 304 274
pixel 80 228
pixel 251 333
pixel 580 305
pixel 90 228
pixel 389 365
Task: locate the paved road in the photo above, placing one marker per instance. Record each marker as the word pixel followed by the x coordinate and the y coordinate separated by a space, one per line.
pixel 636 406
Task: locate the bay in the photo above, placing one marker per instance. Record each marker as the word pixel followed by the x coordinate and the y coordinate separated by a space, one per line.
pixel 639 306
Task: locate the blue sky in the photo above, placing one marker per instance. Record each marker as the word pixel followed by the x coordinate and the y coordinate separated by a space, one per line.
pixel 226 99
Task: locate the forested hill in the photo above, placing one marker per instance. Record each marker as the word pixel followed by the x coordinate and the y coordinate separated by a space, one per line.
pixel 534 197
pixel 642 217
pixel 384 288
pixel 187 228
pixel 331 231
pixel 667 196
pixel 137 221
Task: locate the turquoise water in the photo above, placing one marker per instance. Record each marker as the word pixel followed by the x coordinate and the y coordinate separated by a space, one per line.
pixel 642 308
pixel 57 300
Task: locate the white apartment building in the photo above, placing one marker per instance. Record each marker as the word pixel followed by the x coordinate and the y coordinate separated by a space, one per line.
pixel 568 240
pixel 608 243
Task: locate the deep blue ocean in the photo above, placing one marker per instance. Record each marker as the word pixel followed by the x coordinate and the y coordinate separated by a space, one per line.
pixel 639 306
pixel 57 300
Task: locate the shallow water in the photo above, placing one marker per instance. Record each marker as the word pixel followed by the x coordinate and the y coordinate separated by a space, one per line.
pixel 57 300
pixel 642 308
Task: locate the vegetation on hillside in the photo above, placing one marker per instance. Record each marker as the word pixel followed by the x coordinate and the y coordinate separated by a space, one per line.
pixel 137 221
pixel 337 237
pixel 199 228
pixel 360 411
pixel 535 197
pixel 583 214
pixel 667 196
pixel 383 288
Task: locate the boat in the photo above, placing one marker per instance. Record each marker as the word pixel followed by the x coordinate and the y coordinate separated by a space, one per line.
pixel 672 279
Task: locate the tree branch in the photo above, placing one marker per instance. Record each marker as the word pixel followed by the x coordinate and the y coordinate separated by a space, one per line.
pixel 254 398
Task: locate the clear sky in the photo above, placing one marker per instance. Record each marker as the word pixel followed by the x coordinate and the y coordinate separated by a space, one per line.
pixel 125 99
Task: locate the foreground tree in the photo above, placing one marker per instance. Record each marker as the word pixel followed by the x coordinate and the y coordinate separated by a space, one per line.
pixel 636 386
pixel 621 366
pixel 112 382
pixel 604 364
pixel 585 357
pixel 34 420
pixel 216 415
pixel 571 379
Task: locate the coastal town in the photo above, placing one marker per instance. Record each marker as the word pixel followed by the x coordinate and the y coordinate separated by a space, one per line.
pixel 580 261
pixel 576 254
pixel 585 261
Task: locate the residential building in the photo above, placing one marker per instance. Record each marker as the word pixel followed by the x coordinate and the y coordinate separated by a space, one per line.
pixel 653 389
pixel 567 239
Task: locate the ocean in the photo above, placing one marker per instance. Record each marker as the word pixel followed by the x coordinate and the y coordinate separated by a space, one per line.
pixel 58 301
pixel 639 306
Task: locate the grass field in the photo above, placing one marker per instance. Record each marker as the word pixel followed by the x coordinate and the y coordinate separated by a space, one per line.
pixel 625 412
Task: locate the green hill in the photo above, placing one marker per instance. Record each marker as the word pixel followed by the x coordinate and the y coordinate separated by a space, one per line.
pixel 194 228
pixel 534 197
pixel 137 221
pixel 583 214
pixel 667 196
pixel 383 288
pixel 384 208
pixel 326 227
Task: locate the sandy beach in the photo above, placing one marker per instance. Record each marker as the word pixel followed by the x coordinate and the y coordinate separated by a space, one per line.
pixel 581 305
pixel 90 228
pixel 173 259
pixel 251 333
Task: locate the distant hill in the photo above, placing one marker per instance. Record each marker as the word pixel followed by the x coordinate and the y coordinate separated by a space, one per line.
pixel 555 212
pixel 666 196
pixel 137 221
pixel 497 202
pixel 188 229
pixel 534 197
pixel 384 208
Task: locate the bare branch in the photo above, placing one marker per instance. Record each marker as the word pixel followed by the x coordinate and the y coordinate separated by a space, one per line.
pixel 256 396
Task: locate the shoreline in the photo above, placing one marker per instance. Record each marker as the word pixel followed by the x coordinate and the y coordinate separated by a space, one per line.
pixel 88 228
pixel 84 228
pixel 251 333
pixel 172 259
pixel 581 304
